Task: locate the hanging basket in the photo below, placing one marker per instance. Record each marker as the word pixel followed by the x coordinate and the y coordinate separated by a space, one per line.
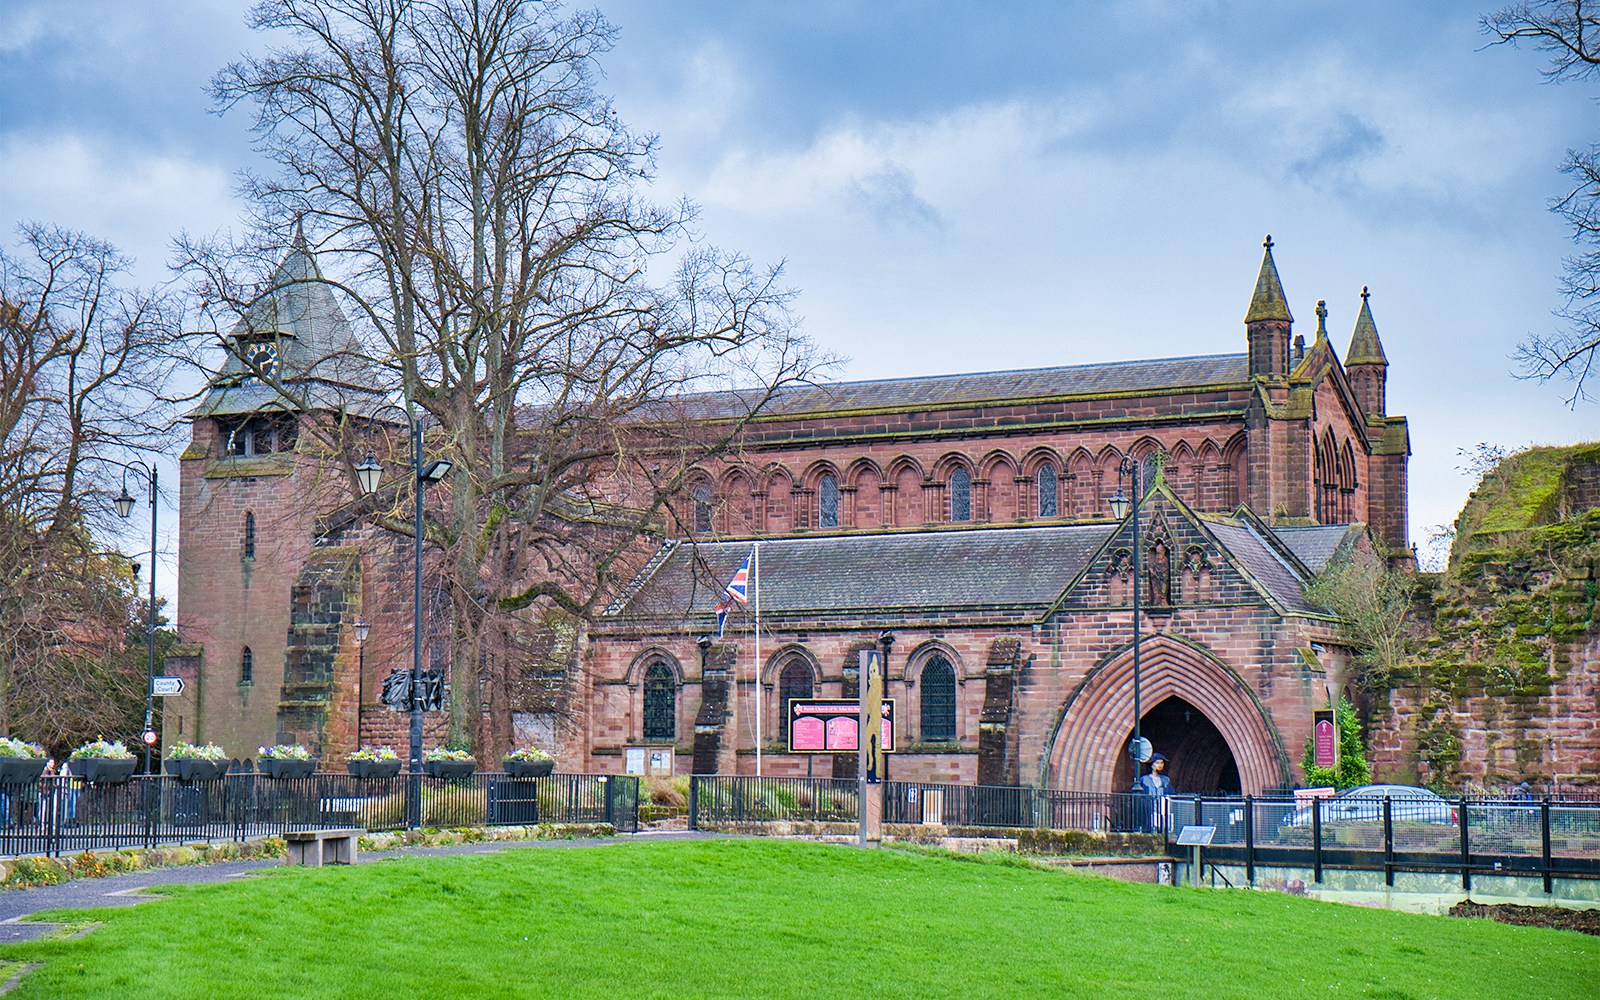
pixel 529 768
pixel 373 768
pixel 449 768
pixel 21 770
pixel 103 770
pixel 194 769
pixel 280 768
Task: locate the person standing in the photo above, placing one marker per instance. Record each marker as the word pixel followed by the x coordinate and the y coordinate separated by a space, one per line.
pixel 1158 787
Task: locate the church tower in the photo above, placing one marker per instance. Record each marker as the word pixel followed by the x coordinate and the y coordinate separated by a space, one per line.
pixel 252 482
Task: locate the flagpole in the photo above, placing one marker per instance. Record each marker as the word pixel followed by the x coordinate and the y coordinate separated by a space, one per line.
pixel 755 572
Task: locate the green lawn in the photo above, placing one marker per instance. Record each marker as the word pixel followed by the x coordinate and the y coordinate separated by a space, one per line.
pixel 775 919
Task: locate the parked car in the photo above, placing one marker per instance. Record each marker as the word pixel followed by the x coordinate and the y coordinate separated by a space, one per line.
pixel 1364 804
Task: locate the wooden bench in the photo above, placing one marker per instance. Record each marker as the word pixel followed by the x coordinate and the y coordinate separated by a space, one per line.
pixel 315 848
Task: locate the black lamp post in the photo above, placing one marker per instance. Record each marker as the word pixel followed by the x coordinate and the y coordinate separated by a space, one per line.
pixel 1129 469
pixel 362 630
pixel 369 473
pixel 124 504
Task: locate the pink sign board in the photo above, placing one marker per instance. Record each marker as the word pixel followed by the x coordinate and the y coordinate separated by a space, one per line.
pixel 833 725
pixel 1325 741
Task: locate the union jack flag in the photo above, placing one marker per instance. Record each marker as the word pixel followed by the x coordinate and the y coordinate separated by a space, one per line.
pixel 738 588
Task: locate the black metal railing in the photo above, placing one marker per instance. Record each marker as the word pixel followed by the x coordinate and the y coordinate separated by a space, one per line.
pixel 1542 837
pixel 1005 806
pixel 62 815
pixel 725 799
pixel 716 800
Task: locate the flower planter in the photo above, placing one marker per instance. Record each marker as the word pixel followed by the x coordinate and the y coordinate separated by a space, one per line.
pixel 373 768
pixel 104 770
pixel 195 769
pixel 20 770
pixel 277 767
pixel 529 768
pixel 449 768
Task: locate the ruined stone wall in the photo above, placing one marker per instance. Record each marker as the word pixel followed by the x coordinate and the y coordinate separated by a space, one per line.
pixel 1507 684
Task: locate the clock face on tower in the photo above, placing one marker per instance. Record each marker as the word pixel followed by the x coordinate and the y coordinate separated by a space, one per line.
pixel 263 358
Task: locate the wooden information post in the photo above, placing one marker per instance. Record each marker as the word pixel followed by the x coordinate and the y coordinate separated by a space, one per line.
pixel 870 771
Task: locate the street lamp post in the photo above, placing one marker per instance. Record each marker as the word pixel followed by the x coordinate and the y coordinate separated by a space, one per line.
pixel 124 504
pixel 362 630
pixel 1138 750
pixel 369 473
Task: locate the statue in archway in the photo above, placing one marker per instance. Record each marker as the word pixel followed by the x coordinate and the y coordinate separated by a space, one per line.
pixel 1160 575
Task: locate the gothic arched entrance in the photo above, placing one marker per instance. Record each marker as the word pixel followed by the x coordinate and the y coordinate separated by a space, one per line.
pixel 1226 740
pixel 1198 757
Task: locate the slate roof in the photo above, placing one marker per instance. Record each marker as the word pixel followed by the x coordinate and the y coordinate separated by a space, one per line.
pixel 317 349
pixel 1160 374
pixel 962 571
pixel 1314 545
pixel 1269 570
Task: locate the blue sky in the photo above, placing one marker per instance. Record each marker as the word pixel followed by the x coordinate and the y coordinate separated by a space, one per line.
pixel 969 187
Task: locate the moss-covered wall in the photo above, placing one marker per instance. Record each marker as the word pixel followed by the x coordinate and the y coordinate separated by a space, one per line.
pixel 1505 683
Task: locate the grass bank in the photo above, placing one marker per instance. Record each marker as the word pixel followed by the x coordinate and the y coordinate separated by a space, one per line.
pixel 774 919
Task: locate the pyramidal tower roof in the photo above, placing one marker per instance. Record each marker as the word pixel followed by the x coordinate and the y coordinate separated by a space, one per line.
pixel 316 347
pixel 1268 301
pixel 1365 347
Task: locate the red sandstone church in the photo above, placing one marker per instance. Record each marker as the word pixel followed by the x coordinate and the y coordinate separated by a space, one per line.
pixel 961 523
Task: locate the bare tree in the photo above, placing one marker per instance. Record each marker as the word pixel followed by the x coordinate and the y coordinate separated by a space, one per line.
pixel 1569 30
pixel 555 329
pixel 78 355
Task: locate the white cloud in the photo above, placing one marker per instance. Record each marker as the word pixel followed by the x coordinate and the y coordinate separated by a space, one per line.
pixel 136 200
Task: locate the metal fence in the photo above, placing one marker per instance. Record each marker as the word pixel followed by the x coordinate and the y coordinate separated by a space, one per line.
pixel 1470 836
pixel 61 815
pixel 1017 807
pixel 716 800
pixel 719 800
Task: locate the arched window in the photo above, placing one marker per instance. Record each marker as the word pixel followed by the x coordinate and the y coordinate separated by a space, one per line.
pixel 960 495
pixel 247 666
pixel 1047 482
pixel 249 549
pixel 828 502
pixel 938 700
pixel 793 682
pixel 660 703
pixel 702 509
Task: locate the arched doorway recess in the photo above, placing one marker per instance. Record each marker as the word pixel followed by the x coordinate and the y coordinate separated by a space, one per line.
pixel 1087 747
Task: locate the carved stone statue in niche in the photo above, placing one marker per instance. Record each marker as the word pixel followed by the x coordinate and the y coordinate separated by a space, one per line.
pixel 1160 575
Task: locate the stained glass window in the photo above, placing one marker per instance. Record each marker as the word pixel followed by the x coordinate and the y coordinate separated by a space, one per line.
pixel 1047 491
pixel 660 703
pixel 938 700
pixel 794 682
pixel 249 551
pixel 247 666
pixel 828 502
pixel 960 495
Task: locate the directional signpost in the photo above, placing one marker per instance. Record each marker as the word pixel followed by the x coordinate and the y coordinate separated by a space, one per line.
pixel 166 687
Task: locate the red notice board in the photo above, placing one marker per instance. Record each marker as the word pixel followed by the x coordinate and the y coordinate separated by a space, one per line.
pixel 833 725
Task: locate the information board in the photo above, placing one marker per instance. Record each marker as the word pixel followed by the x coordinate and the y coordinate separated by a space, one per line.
pixel 833 725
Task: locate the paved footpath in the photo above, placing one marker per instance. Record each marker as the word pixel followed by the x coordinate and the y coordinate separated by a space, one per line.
pixel 124 889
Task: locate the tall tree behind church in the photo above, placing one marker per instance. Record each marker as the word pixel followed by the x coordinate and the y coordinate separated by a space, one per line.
pixel 455 161
pixel 1570 31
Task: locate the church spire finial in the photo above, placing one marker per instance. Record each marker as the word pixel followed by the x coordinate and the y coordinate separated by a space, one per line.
pixel 1322 319
pixel 1365 347
pixel 1268 301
